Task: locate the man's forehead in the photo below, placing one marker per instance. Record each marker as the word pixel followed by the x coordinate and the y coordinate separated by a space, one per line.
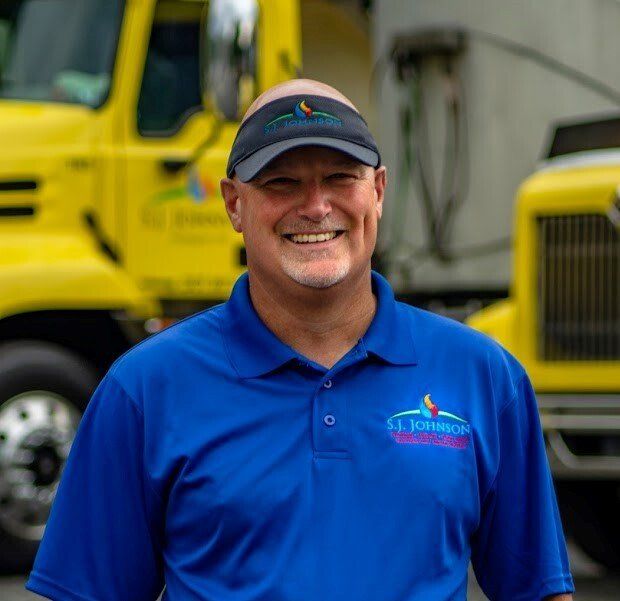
pixel 294 87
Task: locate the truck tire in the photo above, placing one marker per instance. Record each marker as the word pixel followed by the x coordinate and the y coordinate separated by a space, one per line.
pixel 44 389
pixel 590 513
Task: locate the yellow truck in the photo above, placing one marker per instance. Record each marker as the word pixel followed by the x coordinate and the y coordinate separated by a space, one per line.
pixel 116 117
pixel 562 320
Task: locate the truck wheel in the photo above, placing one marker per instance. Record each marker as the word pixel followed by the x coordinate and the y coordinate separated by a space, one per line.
pixel 590 512
pixel 44 389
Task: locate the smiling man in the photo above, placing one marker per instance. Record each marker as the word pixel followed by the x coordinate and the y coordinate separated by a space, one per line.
pixel 311 438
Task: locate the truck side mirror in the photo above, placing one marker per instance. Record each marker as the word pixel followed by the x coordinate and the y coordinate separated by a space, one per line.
pixel 229 56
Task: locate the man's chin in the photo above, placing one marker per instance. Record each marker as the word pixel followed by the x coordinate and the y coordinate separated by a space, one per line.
pixel 317 278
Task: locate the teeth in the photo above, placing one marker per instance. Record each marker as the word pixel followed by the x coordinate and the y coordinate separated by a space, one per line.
pixel 304 238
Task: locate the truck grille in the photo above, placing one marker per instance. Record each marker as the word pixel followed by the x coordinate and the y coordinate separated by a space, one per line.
pixel 579 288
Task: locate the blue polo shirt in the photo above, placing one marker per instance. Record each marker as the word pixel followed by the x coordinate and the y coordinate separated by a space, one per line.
pixel 220 462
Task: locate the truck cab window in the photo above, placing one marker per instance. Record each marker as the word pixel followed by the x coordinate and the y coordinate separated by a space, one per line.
pixel 170 91
pixel 58 50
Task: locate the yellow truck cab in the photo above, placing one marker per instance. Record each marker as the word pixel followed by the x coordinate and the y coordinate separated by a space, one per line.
pixel 562 321
pixel 116 117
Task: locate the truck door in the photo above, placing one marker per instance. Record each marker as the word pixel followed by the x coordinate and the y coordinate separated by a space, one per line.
pixel 177 241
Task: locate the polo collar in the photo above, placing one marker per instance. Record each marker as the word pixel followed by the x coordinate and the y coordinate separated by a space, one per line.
pixel 254 350
pixel 389 336
pixel 252 347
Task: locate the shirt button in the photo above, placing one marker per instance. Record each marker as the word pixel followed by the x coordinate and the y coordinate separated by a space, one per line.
pixel 329 420
pixel 327 384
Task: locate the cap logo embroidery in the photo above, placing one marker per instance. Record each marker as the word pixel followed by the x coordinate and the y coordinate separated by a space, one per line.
pixel 302 115
pixel 429 426
pixel 302 110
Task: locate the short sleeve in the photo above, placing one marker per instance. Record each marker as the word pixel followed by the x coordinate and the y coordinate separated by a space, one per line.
pixel 103 537
pixel 519 551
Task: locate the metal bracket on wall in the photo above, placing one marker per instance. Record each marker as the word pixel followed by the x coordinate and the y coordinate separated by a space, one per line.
pixel 409 49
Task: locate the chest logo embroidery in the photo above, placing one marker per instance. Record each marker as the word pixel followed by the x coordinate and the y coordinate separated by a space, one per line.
pixel 429 425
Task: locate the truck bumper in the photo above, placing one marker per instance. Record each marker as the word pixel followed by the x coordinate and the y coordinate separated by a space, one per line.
pixel 132 327
pixel 582 434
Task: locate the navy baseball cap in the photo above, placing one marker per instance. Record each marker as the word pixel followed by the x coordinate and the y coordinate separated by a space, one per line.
pixel 299 120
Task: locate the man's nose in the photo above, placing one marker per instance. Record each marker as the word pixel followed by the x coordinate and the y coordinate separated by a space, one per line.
pixel 315 203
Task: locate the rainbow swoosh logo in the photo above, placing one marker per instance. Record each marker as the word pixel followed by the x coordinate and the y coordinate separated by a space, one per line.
pixel 427 407
pixel 198 188
pixel 429 410
pixel 302 110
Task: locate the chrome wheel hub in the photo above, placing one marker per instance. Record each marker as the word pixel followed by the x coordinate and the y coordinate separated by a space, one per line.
pixel 36 432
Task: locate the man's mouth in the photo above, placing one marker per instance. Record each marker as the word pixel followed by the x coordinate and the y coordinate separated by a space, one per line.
pixel 313 237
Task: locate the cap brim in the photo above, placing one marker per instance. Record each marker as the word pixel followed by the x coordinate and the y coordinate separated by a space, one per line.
pixel 248 168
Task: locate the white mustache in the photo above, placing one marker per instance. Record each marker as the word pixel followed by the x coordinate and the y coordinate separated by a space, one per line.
pixel 303 227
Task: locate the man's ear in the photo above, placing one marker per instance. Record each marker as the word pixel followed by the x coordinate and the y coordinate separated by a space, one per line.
pixel 380 183
pixel 230 194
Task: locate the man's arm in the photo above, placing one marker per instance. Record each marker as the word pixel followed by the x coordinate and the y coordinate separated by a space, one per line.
pixel 518 550
pixel 102 540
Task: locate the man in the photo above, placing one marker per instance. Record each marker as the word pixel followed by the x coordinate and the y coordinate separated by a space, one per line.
pixel 311 439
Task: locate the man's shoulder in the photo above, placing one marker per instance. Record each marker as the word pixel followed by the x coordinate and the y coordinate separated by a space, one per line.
pixel 429 325
pixel 440 339
pixel 196 335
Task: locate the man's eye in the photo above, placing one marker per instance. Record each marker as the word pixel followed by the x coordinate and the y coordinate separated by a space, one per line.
pixel 341 175
pixel 279 181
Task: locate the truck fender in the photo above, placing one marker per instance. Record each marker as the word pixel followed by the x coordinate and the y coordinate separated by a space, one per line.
pixel 62 271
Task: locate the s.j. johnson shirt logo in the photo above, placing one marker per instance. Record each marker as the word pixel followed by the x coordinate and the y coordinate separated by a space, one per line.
pixel 428 425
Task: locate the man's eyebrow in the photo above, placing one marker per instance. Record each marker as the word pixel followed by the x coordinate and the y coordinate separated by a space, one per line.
pixel 345 162
pixel 269 170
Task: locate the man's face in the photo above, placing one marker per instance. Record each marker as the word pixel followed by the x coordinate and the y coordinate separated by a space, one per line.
pixel 310 216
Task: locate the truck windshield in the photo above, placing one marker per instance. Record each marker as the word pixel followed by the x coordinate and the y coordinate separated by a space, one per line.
pixel 58 50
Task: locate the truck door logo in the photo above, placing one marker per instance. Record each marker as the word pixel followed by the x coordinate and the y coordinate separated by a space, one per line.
pixel 198 188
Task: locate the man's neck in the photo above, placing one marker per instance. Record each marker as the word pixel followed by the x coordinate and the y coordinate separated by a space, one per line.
pixel 321 324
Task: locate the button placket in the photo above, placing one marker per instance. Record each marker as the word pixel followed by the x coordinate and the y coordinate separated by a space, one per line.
pixel 330 430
